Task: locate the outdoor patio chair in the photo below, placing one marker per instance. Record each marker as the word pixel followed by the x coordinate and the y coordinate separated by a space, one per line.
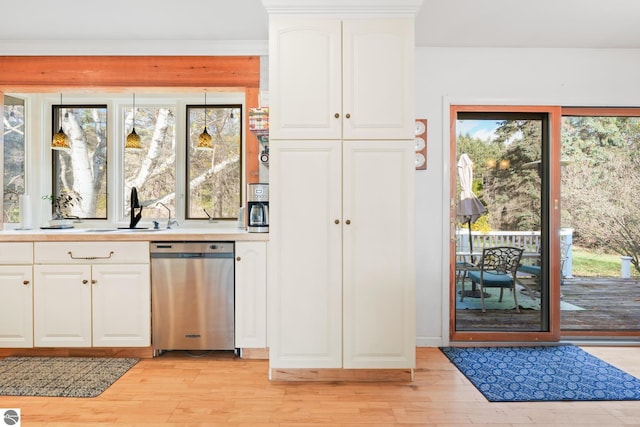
pixel 498 268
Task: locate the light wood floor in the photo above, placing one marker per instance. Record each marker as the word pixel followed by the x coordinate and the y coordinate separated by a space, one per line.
pixel 180 390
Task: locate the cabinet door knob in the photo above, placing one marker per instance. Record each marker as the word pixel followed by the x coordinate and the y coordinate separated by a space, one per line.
pixel 25 282
pixel 348 116
pixel 94 281
pixel 238 259
pixel 85 281
pixel 336 115
pixel 348 221
pixel 337 221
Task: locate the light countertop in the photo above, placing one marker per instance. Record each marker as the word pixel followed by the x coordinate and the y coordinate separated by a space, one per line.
pixel 77 234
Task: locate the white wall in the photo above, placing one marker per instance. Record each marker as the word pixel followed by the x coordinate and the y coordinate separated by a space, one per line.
pixel 445 76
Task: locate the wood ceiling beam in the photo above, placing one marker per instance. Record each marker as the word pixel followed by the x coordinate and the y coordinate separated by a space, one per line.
pixel 52 73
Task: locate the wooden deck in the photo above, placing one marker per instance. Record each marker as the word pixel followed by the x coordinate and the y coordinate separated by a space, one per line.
pixel 610 305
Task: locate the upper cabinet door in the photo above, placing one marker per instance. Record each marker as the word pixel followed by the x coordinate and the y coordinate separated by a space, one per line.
pixel 378 74
pixel 305 78
pixel 334 79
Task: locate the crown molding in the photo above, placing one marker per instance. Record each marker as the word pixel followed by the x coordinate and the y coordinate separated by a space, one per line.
pixel 344 7
pixel 134 47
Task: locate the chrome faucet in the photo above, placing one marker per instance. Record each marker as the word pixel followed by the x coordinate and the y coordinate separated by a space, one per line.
pixel 170 221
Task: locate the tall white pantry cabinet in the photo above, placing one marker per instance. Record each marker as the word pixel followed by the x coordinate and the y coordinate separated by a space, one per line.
pixel 342 271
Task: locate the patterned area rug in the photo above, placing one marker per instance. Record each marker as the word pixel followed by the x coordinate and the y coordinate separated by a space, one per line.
pixel 60 376
pixel 527 374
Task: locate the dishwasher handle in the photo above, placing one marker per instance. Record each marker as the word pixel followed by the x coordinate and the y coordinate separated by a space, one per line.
pixel 192 249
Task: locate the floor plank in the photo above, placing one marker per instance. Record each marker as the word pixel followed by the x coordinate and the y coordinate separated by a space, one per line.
pixel 218 389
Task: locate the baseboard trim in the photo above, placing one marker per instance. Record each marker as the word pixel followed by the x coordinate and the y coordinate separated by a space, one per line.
pixel 348 375
pixel 139 352
pixel 254 353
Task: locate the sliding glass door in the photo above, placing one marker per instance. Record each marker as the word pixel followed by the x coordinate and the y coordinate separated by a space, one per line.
pixel 600 188
pixel 504 202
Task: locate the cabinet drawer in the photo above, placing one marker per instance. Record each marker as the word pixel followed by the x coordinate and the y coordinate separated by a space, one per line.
pixel 16 253
pixel 91 252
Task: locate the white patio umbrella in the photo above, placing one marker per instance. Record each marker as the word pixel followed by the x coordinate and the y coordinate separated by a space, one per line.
pixel 469 207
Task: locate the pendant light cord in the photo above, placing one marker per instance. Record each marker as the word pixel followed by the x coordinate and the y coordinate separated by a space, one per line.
pixel 134 110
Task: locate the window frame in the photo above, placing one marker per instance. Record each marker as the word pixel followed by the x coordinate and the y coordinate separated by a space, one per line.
pixel 241 183
pixel 54 166
pixel 116 103
pixel 24 101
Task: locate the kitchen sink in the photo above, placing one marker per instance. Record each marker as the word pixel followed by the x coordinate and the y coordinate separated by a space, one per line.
pixel 123 229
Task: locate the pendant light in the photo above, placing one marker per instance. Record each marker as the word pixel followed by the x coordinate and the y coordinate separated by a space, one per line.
pixel 133 139
pixel 204 140
pixel 60 139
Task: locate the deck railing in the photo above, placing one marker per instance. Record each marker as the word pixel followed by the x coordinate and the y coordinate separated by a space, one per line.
pixel 527 240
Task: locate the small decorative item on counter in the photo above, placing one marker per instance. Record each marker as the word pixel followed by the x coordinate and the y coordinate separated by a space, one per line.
pixel 62 204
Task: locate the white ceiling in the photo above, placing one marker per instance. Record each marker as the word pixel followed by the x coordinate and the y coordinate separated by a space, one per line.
pixel 446 23
pixel 533 23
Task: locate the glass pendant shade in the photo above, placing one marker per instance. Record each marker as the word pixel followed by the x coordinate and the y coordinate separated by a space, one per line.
pixel 204 141
pixel 60 139
pixel 133 141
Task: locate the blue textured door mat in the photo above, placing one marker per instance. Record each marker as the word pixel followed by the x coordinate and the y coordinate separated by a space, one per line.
pixel 542 373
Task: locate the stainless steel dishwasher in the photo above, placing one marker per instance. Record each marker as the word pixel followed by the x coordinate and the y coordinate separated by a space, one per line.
pixel 192 296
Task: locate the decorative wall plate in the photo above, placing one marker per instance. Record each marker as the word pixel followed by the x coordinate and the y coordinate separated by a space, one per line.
pixel 421 144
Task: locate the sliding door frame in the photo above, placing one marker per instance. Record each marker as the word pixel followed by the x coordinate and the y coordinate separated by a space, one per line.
pixel 600 112
pixel 551 194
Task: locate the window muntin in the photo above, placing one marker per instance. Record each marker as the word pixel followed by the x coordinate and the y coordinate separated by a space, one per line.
pixel 214 177
pixel 83 168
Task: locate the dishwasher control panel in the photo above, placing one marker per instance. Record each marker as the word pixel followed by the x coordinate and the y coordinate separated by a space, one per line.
pixel 191 248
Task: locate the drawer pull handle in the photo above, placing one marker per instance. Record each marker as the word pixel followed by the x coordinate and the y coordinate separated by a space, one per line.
pixel 91 257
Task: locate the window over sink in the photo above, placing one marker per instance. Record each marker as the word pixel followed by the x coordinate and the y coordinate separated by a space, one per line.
pixel 167 171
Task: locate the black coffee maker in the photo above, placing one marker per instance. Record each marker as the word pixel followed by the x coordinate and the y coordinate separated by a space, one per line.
pixel 258 208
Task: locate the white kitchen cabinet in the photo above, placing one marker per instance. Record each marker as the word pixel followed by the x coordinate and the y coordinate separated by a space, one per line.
pixel 251 294
pixel 341 273
pixel 16 294
pixel 92 294
pixel 121 304
pixel 62 305
pixel 341 79
pixel 378 267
